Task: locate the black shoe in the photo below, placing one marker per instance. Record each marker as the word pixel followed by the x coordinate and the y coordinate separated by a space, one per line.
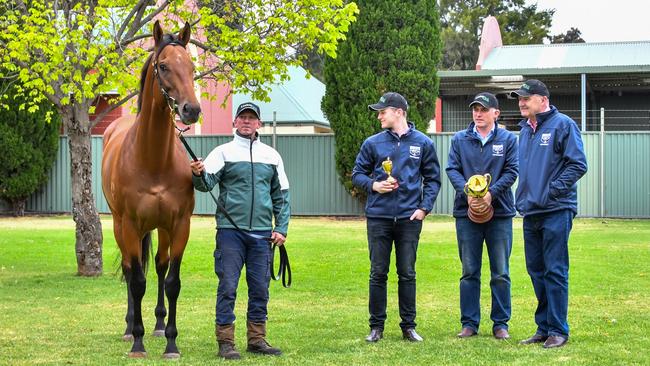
pixel 410 335
pixel 555 341
pixel 375 335
pixel 537 338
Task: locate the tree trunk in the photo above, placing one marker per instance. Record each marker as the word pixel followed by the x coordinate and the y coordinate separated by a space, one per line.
pixel 18 207
pixel 88 226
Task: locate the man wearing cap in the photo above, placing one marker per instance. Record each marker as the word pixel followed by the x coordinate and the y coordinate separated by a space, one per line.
pixel 395 207
pixel 254 190
pixel 552 159
pixel 484 148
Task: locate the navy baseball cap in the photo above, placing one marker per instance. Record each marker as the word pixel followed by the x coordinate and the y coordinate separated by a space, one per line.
pixel 487 100
pixel 248 106
pixel 390 100
pixel 531 87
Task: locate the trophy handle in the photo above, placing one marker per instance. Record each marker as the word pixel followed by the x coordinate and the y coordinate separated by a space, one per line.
pixel 466 190
pixel 488 178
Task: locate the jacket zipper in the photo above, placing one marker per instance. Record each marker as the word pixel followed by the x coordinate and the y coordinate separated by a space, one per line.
pixel 395 195
pixel 250 222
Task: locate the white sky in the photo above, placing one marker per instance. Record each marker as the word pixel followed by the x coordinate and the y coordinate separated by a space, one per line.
pixel 600 20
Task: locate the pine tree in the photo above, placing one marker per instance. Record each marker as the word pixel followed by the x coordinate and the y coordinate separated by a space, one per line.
pixel 28 145
pixel 393 46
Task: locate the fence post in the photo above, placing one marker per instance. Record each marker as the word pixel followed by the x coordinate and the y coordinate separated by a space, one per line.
pixel 602 162
pixel 275 123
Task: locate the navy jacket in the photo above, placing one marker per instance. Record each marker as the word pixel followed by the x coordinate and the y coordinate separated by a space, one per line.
pixel 415 166
pixel 467 157
pixel 552 160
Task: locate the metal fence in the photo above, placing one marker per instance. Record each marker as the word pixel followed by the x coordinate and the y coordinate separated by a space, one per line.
pixel 614 186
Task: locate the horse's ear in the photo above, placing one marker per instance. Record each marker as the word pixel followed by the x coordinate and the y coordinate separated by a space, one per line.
pixel 184 34
pixel 157 32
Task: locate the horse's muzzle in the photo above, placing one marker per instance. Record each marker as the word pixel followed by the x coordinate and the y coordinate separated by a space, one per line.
pixel 189 113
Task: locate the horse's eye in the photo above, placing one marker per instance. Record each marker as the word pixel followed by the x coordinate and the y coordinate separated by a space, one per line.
pixel 163 67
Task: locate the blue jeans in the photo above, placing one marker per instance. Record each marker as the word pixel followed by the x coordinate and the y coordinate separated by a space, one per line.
pixel 497 234
pixel 381 235
pixel 546 238
pixel 235 249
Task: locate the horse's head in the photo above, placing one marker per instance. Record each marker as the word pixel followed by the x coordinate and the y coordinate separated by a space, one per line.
pixel 175 71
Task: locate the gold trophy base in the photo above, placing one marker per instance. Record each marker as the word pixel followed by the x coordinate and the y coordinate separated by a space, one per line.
pixel 481 217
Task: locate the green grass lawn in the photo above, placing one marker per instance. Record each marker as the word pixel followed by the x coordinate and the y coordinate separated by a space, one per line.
pixel 48 315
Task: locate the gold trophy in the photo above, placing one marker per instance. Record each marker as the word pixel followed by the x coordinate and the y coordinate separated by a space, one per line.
pixel 387 165
pixel 477 186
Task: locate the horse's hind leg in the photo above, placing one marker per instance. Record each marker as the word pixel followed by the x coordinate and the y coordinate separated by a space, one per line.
pixel 162 264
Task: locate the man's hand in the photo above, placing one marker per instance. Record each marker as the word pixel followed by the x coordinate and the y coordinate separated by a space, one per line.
pixel 197 167
pixel 477 205
pixel 383 187
pixel 418 215
pixel 278 239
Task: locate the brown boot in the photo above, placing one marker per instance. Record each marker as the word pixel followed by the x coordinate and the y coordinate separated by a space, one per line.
pixel 257 340
pixel 226 339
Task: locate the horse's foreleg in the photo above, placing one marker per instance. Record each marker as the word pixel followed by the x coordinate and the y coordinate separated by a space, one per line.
pixel 138 285
pixel 162 264
pixel 173 284
pixel 172 289
pixel 128 332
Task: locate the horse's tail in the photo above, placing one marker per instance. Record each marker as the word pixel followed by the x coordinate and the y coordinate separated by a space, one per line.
pixel 146 251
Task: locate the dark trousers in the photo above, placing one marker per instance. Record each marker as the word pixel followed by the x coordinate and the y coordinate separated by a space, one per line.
pixel 381 235
pixel 234 249
pixel 497 235
pixel 546 238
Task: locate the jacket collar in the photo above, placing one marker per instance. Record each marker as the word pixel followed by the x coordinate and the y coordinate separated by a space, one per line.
pixel 469 132
pixel 245 141
pixel 541 117
pixel 410 130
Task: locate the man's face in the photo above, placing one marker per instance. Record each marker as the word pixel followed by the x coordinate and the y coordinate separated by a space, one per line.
pixel 247 123
pixel 530 106
pixel 389 117
pixel 484 117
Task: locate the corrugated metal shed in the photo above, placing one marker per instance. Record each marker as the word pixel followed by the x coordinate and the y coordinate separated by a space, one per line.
pixel 295 101
pixel 569 55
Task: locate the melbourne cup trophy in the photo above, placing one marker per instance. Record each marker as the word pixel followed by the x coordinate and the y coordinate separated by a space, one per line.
pixel 477 186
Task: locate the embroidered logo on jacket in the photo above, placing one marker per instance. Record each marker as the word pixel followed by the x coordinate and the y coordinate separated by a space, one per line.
pixel 546 139
pixel 414 152
pixel 497 150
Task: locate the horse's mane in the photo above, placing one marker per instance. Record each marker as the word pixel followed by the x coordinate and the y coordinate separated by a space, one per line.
pixel 166 40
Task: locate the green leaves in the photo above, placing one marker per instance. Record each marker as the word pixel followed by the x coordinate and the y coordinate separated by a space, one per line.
pixel 254 40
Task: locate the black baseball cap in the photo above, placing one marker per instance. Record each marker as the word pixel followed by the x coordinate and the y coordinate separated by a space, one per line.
pixel 487 100
pixel 390 100
pixel 248 106
pixel 531 87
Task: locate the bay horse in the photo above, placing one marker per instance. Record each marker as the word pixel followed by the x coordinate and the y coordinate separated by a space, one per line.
pixel 146 179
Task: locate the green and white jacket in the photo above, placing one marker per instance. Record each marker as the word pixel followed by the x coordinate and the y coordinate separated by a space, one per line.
pixel 253 186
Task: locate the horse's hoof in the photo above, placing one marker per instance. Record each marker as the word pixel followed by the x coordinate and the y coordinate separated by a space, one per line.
pixel 158 333
pixel 138 354
pixel 127 338
pixel 171 356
